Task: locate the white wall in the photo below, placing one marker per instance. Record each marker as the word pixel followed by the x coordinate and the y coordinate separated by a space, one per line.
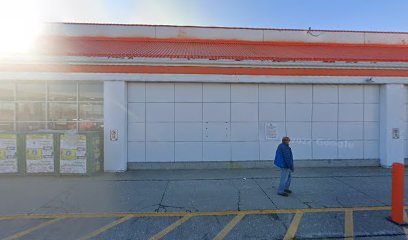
pixel 393 115
pixel 222 122
pixel 115 117
pixel 405 135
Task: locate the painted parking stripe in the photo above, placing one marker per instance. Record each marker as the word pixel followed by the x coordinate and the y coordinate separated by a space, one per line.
pixel 405 221
pixel 224 232
pixel 290 234
pixel 30 230
pixel 181 214
pixel 105 228
pixel 171 227
pixel 348 225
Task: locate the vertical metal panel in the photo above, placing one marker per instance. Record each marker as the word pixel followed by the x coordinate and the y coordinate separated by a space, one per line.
pixel 188 151
pixel 189 131
pixel 244 112
pixel 188 112
pixel 136 151
pixel 161 131
pixel 159 151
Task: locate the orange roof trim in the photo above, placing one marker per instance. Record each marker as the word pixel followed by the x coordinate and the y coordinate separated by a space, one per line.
pixel 220 49
pixel 201 70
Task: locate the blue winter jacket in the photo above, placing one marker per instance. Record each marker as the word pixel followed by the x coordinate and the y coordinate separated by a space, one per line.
pixel 284 157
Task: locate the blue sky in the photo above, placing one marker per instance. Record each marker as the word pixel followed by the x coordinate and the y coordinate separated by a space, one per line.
pixel 380 15
pixel 372 15
pixel 318 14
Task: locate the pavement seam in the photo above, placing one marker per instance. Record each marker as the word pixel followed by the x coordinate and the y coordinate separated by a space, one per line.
pixel 358 190
pixel 161 200
pixel 238 194
pixel 238 178
pixel 52 199
pixel 239 201
pixel 270 199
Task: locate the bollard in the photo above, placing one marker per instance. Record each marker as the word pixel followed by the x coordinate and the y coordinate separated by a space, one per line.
pixel 397 209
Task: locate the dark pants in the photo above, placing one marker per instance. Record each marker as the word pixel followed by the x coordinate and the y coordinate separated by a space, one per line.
pixel 286 177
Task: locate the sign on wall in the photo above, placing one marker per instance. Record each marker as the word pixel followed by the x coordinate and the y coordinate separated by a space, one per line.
pixel 73 153
pixel 395 133
pixel 114 136
pixel 271 131
pixel 8 157
pixel 40 153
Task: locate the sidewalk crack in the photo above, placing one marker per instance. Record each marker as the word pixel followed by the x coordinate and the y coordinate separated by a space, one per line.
pixel 239 201
pixel 358 190
pixel 65 194
pixel 160 205
pixel 270 199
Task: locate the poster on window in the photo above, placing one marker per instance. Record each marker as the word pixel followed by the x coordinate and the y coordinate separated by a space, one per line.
pixel 8 156
pixel 73 153
pixel 40 153
pixel 271 131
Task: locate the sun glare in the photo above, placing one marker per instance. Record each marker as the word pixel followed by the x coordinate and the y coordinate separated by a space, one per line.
pixel 20 25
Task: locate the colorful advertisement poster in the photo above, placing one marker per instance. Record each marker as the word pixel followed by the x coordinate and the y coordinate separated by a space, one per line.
pixel 73 153
pixel 8 157
pixel 40 153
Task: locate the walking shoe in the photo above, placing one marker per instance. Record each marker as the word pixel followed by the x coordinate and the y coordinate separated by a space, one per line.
pixel 288 191
pixel 283 194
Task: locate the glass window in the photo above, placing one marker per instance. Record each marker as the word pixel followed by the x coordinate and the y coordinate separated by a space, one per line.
pixel 31 91
pixel 7 112
pixel 62 125
pixel 62 91
pixel 91 92
pixel 91 112
pixel 87 125
pixel 7 91
pixel 31 111
pixel 30 126
pixel 39 105
pixel 4 126
pixel 62 112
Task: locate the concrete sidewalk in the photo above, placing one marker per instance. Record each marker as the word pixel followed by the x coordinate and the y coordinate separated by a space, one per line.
pixel 195 191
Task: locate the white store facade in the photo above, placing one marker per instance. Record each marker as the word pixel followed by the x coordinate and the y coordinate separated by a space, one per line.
pixel 208 97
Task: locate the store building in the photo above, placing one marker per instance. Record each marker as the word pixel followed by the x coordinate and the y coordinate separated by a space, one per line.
pixel 204 97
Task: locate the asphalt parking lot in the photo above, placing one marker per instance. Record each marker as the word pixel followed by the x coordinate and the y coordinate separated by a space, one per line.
pixel 327 203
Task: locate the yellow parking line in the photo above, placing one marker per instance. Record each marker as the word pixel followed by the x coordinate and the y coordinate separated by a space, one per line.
pixel 105 228
pixel 348 225
pixel 170 228
pixel 30 230
pixel 181 214
pixel 224 232
pixel 290 234
pixel 92 215
pixel 405 221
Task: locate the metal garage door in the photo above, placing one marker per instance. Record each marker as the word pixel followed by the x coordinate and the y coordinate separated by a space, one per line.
pixel 170 122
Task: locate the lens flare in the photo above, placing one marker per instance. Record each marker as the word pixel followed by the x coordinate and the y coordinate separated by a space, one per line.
pixel 20 25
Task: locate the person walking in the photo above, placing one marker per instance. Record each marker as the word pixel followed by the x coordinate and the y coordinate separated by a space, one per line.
pixel 284 160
